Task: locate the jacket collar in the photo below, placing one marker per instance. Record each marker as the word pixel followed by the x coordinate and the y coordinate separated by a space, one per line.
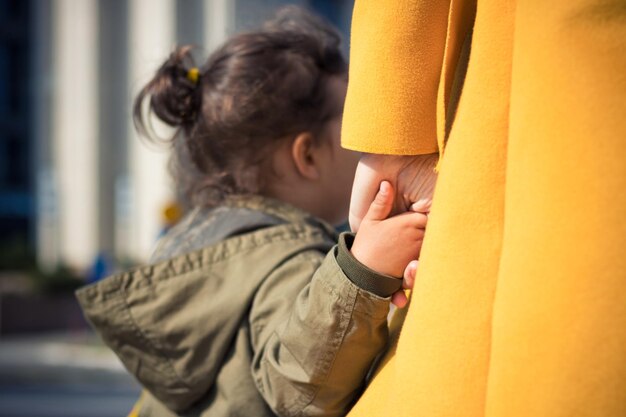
pixel 278 209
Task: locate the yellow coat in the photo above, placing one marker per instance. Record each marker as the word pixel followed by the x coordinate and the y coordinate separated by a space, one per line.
pixel 519 307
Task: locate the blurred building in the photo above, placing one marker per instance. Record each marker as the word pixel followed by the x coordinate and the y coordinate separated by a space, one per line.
pixel 75 180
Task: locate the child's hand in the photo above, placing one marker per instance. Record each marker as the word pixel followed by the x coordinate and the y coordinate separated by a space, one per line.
pixel 387 245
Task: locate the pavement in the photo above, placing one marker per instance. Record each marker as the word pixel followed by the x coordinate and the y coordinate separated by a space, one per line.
pixel 62 374
pixel 60 358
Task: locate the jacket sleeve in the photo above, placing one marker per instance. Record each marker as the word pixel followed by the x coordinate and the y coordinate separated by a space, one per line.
pixel 391 106
pixel 314 339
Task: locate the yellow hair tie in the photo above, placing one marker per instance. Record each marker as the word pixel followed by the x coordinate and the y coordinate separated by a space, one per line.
pixel 193 74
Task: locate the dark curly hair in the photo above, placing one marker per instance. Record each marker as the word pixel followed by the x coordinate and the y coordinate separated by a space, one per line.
pixel 258 89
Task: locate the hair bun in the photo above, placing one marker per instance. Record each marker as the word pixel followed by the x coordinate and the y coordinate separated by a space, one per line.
pixel 174 94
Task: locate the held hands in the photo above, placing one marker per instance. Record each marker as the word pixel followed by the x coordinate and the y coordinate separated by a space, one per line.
pixel 390 245
pixel 413 178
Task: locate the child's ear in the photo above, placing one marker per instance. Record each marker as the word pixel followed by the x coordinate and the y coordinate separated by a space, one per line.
pixel 304 153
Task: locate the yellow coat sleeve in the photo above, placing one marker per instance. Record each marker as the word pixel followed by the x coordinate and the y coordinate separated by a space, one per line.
pixel 396 55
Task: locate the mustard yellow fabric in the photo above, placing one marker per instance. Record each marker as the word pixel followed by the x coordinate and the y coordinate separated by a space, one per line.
pixel 519 307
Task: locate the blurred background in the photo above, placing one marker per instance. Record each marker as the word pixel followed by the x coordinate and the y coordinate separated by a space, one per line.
pixel 80 194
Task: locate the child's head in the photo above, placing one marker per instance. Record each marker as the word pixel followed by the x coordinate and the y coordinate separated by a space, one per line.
pixel 261 116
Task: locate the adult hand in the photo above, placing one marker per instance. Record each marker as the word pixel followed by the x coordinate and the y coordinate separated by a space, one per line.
pixel 412 177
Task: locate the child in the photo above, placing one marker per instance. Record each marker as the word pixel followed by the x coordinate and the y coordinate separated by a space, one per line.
pixel 249 307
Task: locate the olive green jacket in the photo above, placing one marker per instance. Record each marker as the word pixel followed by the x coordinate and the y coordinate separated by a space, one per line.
pixel 255 317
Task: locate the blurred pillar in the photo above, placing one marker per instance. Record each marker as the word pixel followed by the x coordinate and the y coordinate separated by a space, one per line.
pixel 148 188
pixel 46 215
pixel 190 23
pixel 114 117
pixel 219 18
pixel 75 128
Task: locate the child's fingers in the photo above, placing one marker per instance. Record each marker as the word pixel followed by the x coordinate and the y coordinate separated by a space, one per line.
pixel 411 219
pixel 382 204
pixel 418 220
pixel 409 275
pixel 399 299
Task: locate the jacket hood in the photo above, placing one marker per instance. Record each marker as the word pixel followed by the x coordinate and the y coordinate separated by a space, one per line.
pixel 172 322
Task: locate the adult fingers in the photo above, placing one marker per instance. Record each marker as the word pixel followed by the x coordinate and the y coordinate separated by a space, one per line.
pixel 421 206
pixel 417 180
